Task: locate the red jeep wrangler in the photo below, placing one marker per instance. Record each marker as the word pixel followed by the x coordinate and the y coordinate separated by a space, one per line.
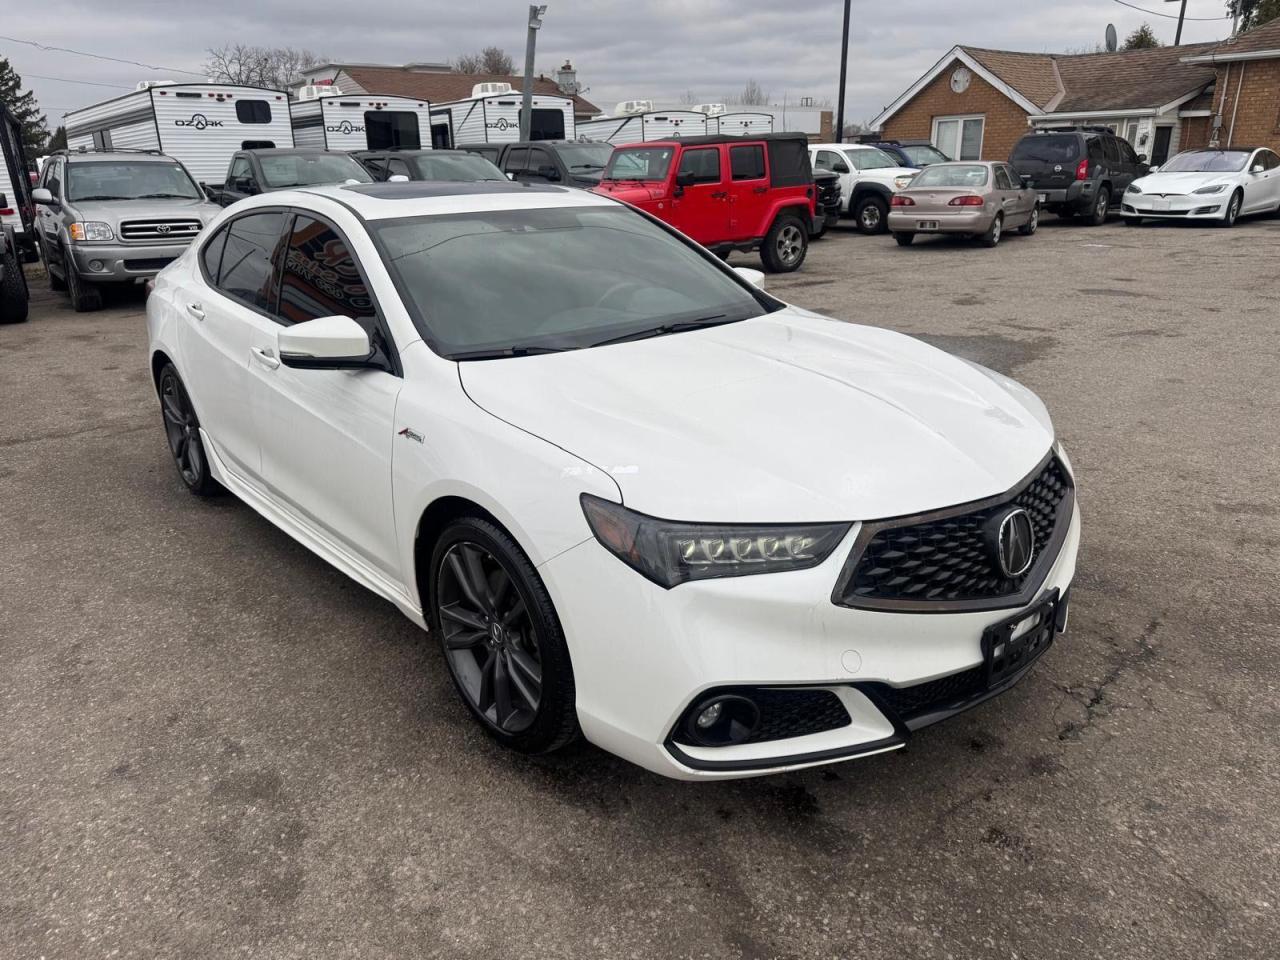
pixel 727 193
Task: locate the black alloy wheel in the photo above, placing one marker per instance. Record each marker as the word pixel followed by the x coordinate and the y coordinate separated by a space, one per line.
pixel 501 638
pixel 182 430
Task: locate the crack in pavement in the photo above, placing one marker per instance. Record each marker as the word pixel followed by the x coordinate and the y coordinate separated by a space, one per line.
pixel 104 429
pixel 1094 698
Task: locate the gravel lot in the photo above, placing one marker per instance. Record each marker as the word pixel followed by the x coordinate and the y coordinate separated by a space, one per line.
pixel 215 745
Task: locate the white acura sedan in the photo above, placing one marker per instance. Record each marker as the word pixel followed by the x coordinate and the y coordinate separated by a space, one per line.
pixel 1215 185
pixel 631 494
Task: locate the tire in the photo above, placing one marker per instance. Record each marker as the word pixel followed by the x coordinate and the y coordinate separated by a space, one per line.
pixel 872 215
pixel 14 300
pixel 56 284
pixel 785 245
pixel 904 239
pixel 85 297
pixel 1032 224
pixel 1098 214
pixel 182 431
pixel 992 237
pixel 1232 213
pixel 501 638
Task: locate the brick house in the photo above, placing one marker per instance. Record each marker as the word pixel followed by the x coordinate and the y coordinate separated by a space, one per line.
pixel 975 103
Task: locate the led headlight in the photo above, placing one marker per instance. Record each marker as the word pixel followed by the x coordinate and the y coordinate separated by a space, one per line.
pixel 669 553
pixel 91 230
pixel 1211 188
pixel 902 182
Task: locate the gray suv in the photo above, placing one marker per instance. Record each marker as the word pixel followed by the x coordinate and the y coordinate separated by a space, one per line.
pixel 114 217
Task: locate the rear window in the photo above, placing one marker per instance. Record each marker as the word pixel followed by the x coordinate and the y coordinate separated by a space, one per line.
pixel 253 111
pixel 1047 148
pixel 961 175
pixel 920 156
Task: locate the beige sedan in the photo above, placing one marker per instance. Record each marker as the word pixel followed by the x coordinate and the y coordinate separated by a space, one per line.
pixel 981 199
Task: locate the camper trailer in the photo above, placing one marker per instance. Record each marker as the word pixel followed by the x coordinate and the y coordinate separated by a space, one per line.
pixel 635 121
pixel 324 117
pixel 492 115
pixel 740 124
pixel 199 124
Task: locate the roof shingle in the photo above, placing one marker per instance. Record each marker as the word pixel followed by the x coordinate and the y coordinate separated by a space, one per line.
pixel 1265 37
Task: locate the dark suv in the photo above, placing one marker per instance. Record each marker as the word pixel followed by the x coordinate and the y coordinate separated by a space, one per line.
pixel 1078 170
pixel 573 163
pixel 910 153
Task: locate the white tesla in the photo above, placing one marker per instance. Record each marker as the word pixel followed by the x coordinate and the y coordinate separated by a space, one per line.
pixel 630 493
pixel 1217 185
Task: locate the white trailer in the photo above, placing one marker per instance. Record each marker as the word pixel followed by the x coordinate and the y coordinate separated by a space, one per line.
pixel 740 124
pixel 199 124
pixel 650 125
pixel 492 115
pixel 363 122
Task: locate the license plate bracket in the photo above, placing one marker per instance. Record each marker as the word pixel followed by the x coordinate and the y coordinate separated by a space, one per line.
pixel 1160 204
pixel 1013 644
pixel 1044 198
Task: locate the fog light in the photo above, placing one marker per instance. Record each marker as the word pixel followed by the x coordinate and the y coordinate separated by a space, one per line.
pixel 95 265
pixel 722 720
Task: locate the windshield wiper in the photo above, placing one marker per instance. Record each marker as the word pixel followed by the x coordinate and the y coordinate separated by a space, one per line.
pixel 526 350
pixel 102 196
pixel 587 166
pixel 663 329
pixel 166 196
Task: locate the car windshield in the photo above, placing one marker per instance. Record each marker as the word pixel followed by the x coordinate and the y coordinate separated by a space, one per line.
pixel 639 163
pixel 923 155
pixel 455 166
pixel 541 280
pixel 961 175
pixel 1207 161
pixel 1047 148
pixel 870 158
pixel 300 169
pixel 585 156
pixel 129 180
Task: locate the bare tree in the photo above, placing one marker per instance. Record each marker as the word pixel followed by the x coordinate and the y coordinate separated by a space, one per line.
pixel 753 93
pixel 489 60
pixel 689 97
pixel 275 67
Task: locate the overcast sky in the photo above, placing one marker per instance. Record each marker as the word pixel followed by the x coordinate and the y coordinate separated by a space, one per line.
pixel 623 49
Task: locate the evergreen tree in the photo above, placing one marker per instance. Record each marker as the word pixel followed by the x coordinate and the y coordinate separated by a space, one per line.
pixel 24 107
pixel 1254 13
pixel 1143 38
pixel 58 141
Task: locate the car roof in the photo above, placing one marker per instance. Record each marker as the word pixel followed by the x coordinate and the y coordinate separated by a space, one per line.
pixel 845 146
pixel 704 140
pixel 416 198
pixel 294 151
pixel 91 156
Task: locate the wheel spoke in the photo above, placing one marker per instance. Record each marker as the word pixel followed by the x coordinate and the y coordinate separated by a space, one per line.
pixel 500 589
pixel 526 674
pixel 475 573
pixel 484 698
pixel 502 691
pixel 172 411
pixel 465 639
pixel 467 618
pixel 180 449
pixel 464 581
pixel 194 456
pixel 517 610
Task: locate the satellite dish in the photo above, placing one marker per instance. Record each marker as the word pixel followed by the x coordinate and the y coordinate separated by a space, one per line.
pixel 1111 38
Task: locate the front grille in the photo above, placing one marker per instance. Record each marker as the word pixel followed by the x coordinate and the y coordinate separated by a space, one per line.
pixel 947 557
pixel 921 698
pixel 159 231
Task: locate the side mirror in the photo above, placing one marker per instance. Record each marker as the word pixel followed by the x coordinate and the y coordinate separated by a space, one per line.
pixel 397 178
pixel 840 167
pixel 548 172
pixel 247 185
pixel 1142 158
pixel 511 175
pixel 43 197
pixel 1258 168
pixel 210 193
pixel 326 343
pixel 1155 169
pixel 753 277
pixel 686 179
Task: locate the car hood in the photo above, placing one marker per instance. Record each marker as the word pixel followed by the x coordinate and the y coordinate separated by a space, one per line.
pixel 886 174
pixel 1180 183
pixel 118 211
pixel 630 191
pixel 787 417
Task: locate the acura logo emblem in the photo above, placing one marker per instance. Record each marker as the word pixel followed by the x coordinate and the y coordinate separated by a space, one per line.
pixel 1015 543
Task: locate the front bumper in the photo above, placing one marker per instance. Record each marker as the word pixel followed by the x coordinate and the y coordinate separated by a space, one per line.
pixel 1209 206
pixel 121 262
pixel 642 655
pixel 968 222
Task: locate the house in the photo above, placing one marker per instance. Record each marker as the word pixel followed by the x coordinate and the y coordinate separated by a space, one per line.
pixel 437 82
pixel 1243 106
pixel 976 103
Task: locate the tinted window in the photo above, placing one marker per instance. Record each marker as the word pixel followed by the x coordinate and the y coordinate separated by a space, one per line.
pixel 1268 159
pixel 299 169
pixel 1111 149
pixel 389 129
pixel 747 162
pixel 1002 180
pixel 1126 152
pixel 246 260
pixel 517 159
pixel 53 181
pixel 239 170
pixel 397 167
pixel 703 164
pixel 547 125
pixel 253 111
pixel 320 278
pixel 211 255
pixel 539 158
pixel 1096 152
pixel 1047 148
pixel 579 274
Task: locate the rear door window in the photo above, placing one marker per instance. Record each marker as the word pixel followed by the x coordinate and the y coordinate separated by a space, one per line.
pixel 1111 150
pixel 747 162
pixel 1002 179
pixel 211 256
pixel 246 272
pixel 516 160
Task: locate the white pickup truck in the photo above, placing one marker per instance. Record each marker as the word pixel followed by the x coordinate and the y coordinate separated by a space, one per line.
pixel 868 179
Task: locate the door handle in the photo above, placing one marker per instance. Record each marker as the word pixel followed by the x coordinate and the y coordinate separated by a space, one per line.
pixel 760 190
pixel 265 357
pixel 195 310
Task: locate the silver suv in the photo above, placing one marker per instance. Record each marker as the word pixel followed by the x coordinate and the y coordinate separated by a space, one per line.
pixel 114 217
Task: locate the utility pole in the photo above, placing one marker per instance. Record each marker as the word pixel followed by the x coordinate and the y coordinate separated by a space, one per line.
pixel 844 66
pixel 536 14
pixel 1182 15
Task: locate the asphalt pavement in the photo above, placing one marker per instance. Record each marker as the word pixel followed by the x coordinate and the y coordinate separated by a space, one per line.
pixel 214 745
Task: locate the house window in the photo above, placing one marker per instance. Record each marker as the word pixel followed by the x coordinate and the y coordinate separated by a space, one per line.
pixel 960 138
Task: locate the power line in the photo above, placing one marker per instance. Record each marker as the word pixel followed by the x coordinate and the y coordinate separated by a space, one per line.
pixel 91 83
pixel 1170 16
pixel 99 56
